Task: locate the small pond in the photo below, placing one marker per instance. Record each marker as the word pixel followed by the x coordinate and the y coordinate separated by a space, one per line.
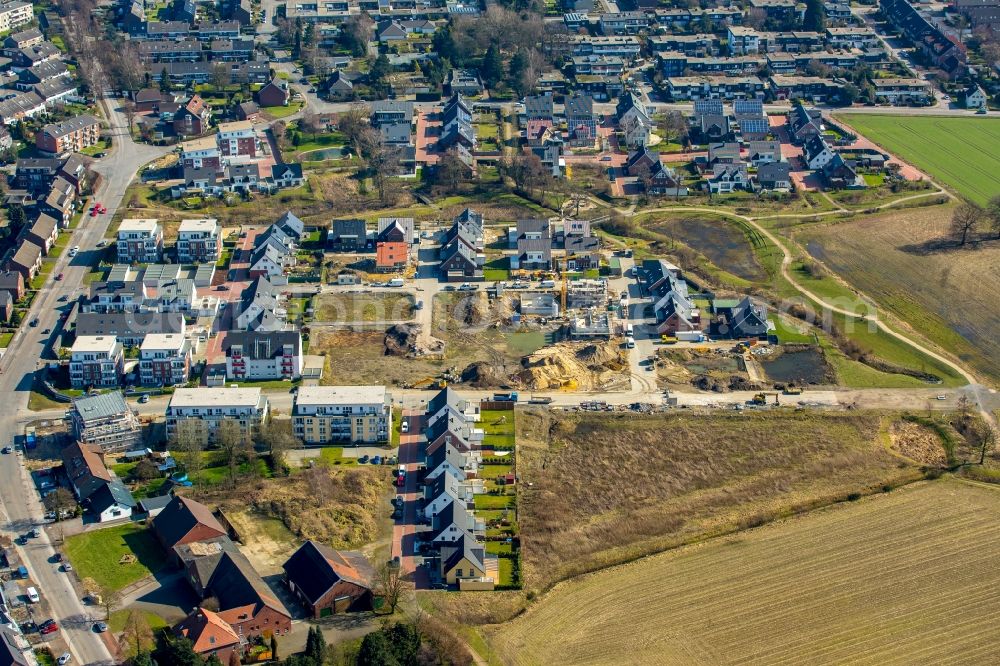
pixel 802 366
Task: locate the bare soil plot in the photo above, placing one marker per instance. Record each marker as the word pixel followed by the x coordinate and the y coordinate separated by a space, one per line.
pixel 612 487
pixel 267 543
pixel 363 307
pixel 948 296
pixel 903 578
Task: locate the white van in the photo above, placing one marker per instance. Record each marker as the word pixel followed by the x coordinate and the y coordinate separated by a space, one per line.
pixel 629 330
pixel 630 342
pixel 33 595
pixel 548 284
pixel 396 282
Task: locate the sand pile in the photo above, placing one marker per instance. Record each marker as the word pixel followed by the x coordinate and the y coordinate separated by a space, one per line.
pixel 572 365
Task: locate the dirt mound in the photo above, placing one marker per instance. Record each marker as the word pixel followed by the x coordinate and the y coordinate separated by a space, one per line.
pixel 740 383
pixel 483 375
pixel 585 367
pixel 401 339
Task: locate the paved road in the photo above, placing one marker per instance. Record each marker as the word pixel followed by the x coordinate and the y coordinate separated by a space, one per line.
pixel 19 503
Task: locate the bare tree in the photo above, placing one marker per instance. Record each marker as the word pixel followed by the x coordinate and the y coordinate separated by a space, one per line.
pixel 137 633
pixel 964 221
pixel 235 445
pixel 984 438
pixel 993 214
pixel 110 600
pixel 673 127
pixel 277 436
pixel 311 123
pixel 389 584
pixel 188 444
pixel 221 76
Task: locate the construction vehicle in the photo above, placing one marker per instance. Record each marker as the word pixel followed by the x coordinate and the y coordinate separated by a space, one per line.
pixel 668 339
pixel 432 383
pixel 792 390
pixel 761 399
pixel 505 397
pixel 540 400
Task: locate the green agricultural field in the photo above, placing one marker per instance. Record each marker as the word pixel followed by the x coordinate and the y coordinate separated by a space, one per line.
pixel 962 153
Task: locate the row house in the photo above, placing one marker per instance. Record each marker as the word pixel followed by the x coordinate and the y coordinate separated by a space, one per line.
pixel 140 241
pixel 699 45
pixel 673 308
pixel 853 37
pixel 623 23
pixel 903 91
pixel 323 415
pixel 96 361
pixel 462 253
pixel 199 241
pixel 20 106
pixel 25 260
pixel 259 307
pixel 43 232
pixel 181 50
pixel 813 88
pixel 60 202
pixel 714 87
pixel 72 135
pixel 40 73
pixel 944 50
pixel 627 46
pixel 164 360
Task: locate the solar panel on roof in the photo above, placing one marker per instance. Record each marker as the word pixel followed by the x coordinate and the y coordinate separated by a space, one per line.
pixel 748 107
pixel 754 125
pixel 708 107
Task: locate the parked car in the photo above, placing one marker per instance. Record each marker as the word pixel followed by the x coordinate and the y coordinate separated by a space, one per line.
pixel 67 567
pixel 7 449
pixel 377 460
pixel 32 595
pixel 405 426
pixel 59 277
pixel 100 627
pixel 363 460
pixel 144 398
pixel 64 658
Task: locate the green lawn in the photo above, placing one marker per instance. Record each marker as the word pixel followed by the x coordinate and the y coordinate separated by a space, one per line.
pixel 282 111
pixel 499 428
pixel 498 547
pixel 787 334
pixel 117 622
pixel 98 555
pixel 506 571
pixel 334 455
pixel 493 502
pixel 962 153
pixel 5 339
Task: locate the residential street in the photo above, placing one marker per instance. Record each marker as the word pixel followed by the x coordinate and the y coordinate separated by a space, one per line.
pixel 20 505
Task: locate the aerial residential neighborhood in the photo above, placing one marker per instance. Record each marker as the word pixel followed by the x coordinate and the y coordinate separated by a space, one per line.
pixel 459 332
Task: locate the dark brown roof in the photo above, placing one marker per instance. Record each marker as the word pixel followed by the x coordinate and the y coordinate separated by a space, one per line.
pixel 180 517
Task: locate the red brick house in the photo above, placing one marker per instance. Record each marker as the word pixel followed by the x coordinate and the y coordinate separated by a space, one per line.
pixel 186 521
pixel 273 94
pixel 6 306
pixel 193 118
pixel 209 634
pixel 329 581
pixel 247 604
pixel 43 232
pixel 13 283
pixel 391 256
pixel 26 261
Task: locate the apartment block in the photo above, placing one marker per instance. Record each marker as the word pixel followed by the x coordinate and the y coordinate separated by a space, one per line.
pixel 342 414
pixel 140 241
pixel 199 241
pixel 200 154
pixel 263 355
pixel 13 14
pixel 72 135
pixel 164 359
pixel 237 139
pixel 105 420
pixel 96 360
pixel 208 407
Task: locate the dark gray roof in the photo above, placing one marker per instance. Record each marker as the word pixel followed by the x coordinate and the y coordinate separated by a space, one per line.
pixel 262 344
pixel 128 324
pixel 109 495
pixel 314 568
pixel 100 406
